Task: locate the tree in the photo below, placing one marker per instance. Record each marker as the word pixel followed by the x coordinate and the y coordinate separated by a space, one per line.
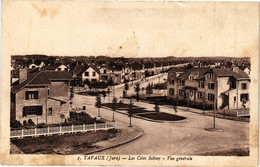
pixel 104 96
pixel 98 104
pixel 108 93
pixel 130 112
pixel 149 90
pixel 157 108
pixel 204 101
pixel 137 90
pixel 187 98
pixel 71 92
pixel 124 93
pixel 126 88
pixel 175 107
pixel 114 107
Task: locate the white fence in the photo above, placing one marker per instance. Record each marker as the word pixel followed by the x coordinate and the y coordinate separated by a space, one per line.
pixel 61 130
pixel 243 113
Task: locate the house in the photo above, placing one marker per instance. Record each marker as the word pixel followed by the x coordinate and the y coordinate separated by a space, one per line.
pixel 76 75
pixel 90 73
pixel 105 72
pixel 117 74
pixel 158 67
pixel 57 67
pixel 225 88
pixel 42 96
pixel 149 69
pixel 138 71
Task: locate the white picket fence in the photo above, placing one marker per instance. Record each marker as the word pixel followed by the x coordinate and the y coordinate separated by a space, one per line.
pixel 61 130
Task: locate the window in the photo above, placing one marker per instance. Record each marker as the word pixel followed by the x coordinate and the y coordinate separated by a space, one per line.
pixel 33 66
pixel 86 74
pixel 48 92
pixel 181 92
pixel 31 95
pixel 191 78
pixel 50 111
pixel 243 86
pixel 200 95
pixel 235 98
pixel 65 69
pixel 244 97
pixel 171 91
pixel 32 110
pixel 211 86
pixel 211 75
pixel 172 82
pixel 105 71
pixel 94 74
pixel 59 69
pixel 182 82
pixel 211 97
pixel 201 84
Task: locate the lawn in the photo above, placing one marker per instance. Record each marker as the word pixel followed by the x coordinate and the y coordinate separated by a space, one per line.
pixel 78 143
pixel 123 106
pixel 162 116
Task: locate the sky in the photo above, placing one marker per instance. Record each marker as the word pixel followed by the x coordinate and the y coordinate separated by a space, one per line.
pixel 131 29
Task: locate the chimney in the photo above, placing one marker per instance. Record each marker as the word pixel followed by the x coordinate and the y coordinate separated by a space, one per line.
pixel 22 75
pixel 235 69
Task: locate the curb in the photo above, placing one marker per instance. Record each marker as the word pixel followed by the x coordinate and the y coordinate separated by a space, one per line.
pixel 117 145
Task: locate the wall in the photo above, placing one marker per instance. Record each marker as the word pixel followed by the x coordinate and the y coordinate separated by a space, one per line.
pixel 21 102
pixel 90 77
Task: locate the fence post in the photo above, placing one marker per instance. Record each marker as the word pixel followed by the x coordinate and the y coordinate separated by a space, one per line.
pixel 22 133
pixel 114 124
pixel 72 128
pixel 106 125
pixel 35 132
pixel 84 127
pixel 48 131
pixel 60 129
pixel 95 126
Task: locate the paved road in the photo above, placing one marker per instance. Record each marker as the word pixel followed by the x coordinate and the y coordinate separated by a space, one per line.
pixel 184 138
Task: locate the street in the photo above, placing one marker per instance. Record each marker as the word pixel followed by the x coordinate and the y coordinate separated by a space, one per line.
pixel 187 137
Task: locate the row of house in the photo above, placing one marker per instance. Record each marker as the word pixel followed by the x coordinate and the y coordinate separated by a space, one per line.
pixel 226 88
pixel 83 72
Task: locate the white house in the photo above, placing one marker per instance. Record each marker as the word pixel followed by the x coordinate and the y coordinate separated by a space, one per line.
pixel 90 73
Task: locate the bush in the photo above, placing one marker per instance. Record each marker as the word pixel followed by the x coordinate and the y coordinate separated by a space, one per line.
pixel 16 124
pixel 41 125
pixel 24 122
pixel 30 122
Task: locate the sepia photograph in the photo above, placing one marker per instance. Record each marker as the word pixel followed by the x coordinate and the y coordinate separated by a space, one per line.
pixel 129 83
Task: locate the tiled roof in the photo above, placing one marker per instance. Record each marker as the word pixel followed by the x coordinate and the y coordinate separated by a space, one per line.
pixel 77 69
pixel 201 72
pixel 87 66
pixel 42 78
pixel 226 72
pixel 52 66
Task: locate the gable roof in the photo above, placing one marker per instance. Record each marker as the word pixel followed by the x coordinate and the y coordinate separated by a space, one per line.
pixel 227 72
pixel 200 71
pixel 77 69
pixel 88 66
pixel 41 78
